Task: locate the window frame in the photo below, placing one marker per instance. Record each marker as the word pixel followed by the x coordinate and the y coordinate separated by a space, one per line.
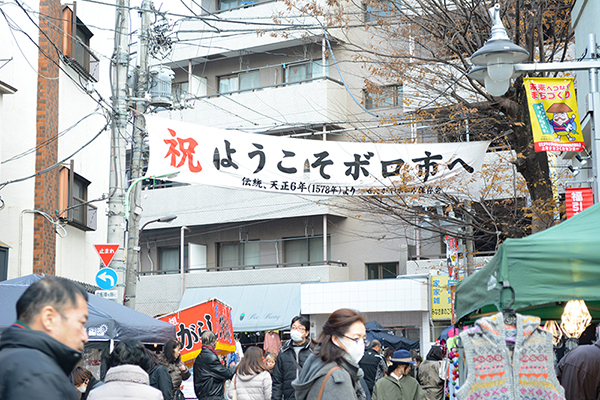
pixel 238 76
pixel 307 260
pixel 242 254
pixel 371 14
pixel 380 270
pixel 310 75
pixel 374 101
pixel 76 44
pixel 82 216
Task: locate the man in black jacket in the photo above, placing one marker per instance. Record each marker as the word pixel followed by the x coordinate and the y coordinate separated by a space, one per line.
pixel 291 359
pixel 373 364
pixel 39 351
pixel 209 373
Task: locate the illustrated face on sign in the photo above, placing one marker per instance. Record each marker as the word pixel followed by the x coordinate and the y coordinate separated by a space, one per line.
pixel 560 118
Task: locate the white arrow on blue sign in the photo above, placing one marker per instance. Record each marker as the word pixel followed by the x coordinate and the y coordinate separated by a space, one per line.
pixel 106 278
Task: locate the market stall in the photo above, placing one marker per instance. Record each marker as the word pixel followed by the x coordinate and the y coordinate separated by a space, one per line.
pixel 529 279
pixel 108 322
pixel 545 270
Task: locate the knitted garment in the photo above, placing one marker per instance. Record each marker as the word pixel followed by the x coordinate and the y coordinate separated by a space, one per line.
pixel 492 373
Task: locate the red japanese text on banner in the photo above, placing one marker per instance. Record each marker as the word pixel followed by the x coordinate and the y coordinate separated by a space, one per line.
pixel 235 159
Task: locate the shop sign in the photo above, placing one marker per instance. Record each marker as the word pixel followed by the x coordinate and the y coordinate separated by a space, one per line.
pixel 441 307
pixel 213 315
pixel 578 199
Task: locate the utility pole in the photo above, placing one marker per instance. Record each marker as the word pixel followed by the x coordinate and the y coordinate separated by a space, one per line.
pixel 117 180
pixel 139 132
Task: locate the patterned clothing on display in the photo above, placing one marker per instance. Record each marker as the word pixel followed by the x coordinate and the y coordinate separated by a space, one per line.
pixel 495 373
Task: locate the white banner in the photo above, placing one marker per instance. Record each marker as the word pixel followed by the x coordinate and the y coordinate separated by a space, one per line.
pixel 236 159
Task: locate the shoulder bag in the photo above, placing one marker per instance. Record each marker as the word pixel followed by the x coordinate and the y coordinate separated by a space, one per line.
pixel 325 381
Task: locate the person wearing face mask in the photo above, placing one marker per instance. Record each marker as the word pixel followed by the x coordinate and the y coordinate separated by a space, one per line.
pixel 84 381
pixel 291 358
pixel 333 368
pixel 398 385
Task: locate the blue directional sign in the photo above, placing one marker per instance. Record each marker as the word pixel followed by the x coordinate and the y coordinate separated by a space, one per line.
pixel 106 278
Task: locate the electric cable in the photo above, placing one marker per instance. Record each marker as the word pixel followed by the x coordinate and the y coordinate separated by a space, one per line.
pixel 50 168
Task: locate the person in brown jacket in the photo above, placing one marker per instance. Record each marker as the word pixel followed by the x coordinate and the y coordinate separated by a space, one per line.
pixel 170 358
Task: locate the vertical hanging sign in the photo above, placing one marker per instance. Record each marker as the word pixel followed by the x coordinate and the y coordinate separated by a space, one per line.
pixel 578 199
pixel 554 115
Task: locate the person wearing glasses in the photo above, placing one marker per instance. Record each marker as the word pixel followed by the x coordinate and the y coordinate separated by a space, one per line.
pixel 333 368
pixel 291 358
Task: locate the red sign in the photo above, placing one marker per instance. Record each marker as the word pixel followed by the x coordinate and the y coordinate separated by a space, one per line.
pixel 578 199
pixel 106 252
pixel 190 322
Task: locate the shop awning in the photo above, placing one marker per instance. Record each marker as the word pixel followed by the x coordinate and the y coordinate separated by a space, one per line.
pixel 253 307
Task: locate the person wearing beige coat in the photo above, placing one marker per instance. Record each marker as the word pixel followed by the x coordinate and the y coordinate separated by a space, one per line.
pixel 251 387
pixel 252 379
pixel 127 376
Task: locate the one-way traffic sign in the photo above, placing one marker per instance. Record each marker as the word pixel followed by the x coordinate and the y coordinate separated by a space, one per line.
pixel 106 278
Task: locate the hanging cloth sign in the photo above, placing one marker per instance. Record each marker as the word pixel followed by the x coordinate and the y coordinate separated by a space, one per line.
pixel 242 160
pixel 554 115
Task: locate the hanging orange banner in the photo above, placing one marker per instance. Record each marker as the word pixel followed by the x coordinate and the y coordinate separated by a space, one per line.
pixel 213 315
pixel 554 114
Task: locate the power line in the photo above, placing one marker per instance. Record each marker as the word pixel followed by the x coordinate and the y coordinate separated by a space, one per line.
pixel 50 168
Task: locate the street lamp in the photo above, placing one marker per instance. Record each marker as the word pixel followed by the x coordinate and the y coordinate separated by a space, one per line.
pixel 500 59
pixel 498 54
pixel 133 260
pixel 133 237
pixel 167 218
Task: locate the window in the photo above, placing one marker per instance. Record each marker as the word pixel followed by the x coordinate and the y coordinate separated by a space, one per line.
pixel 236 254
pixel 76 42
pixel 3 263
pixel 229 4
pixel 383 96
pixel 239 82
pixel 306 70
pixel 382 271
pixel 168 258
pixel 305 250
pixel 182 92
pixel 376 9
pixel 72 201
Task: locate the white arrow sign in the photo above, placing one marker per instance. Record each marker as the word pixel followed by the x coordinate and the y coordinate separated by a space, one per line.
pixel 104 276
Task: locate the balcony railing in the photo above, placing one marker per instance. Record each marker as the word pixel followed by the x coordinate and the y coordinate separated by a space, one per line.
pixel 246 267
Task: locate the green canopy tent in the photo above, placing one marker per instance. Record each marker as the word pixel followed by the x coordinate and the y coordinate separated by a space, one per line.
pixel 546 270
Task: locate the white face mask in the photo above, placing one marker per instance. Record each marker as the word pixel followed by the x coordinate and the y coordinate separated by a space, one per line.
pixel 296 336
pixel 81 388
pixel 355 350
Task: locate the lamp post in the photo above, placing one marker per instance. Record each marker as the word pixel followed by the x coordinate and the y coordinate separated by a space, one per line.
pixel 500 59
pixel 133 261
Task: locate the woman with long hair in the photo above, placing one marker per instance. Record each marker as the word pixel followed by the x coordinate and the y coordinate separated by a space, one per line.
pixel 170 358
pixel 333 367
pixel 429 374
pixel 252 379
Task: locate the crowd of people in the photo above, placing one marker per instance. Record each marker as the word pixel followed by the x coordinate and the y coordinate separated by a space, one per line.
pixel 40 353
